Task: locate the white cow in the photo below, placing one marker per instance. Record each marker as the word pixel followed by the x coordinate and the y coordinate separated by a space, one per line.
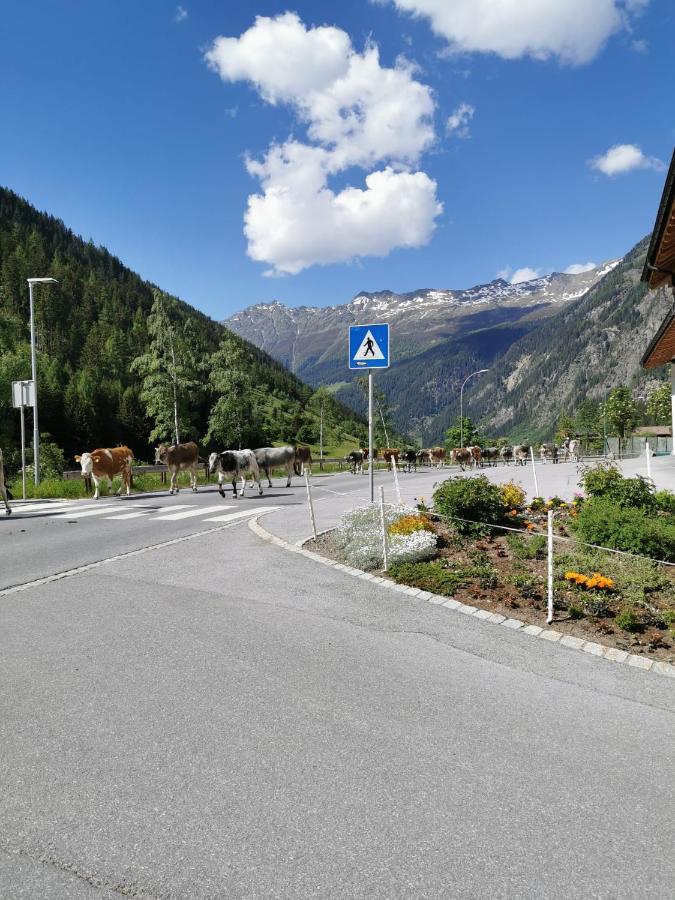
pixel 232 465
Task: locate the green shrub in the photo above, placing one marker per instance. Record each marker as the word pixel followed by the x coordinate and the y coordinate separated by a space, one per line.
pixel 475 499
pixel 529 585
pixel 50 488
pixel 605 480
pixel 429 576
pixel 665 501
pixel 627 620
pixel 527 548
pixel 607 523
pixel 574 611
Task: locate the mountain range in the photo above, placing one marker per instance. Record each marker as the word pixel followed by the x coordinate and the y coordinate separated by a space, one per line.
pixel 547 342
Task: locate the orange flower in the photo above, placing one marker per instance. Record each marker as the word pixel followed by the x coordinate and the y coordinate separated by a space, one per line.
pixel 596 580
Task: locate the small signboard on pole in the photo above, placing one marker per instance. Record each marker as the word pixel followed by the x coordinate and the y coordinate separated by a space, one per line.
pixel 23 395
pixel 369 346
pixel 368 350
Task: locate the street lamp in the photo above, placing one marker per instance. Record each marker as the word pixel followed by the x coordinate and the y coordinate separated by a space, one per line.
pixel 36 432
pixel 461 404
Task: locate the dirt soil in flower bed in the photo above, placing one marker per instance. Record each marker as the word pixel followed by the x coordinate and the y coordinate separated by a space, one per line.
pixel 496 567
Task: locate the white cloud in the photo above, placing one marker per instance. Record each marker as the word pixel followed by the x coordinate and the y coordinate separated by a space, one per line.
pixel 357 113
pixel 505 273
pixel 624 158
pixel 458 122
pixel 525 274
pixel 574 31
pixel 181 14
pixel 281 58
pixel 640 46
pixel 579 268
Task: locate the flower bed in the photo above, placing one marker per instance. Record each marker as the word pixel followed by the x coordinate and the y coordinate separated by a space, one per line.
pixel 618 600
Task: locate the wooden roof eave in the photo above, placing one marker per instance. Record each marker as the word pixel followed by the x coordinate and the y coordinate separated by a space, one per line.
pixel 661 349
pixel 659 266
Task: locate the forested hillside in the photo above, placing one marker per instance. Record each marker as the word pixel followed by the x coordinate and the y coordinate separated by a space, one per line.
pixel 591 346
pixel 93 324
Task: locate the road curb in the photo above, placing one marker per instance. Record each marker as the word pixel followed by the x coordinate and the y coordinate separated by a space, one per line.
pixel 592 648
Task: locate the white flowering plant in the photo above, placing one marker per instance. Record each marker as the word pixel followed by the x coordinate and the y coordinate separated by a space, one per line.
pixel 358 538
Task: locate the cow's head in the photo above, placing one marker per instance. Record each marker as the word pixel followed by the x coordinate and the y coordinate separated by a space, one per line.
pixel 86 461
pixel 161 454
pixel 214 462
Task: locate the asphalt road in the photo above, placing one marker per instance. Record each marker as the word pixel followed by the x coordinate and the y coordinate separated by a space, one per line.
pixel 216 717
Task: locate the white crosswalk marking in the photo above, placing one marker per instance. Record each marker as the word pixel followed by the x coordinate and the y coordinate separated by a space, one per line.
pixel 131 515
pixel 242 513
pixel 99 511
pixel 24 509
pixel 199 511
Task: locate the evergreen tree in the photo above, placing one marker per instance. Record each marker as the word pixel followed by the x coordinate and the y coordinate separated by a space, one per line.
pixel 234 415
pixel 170 371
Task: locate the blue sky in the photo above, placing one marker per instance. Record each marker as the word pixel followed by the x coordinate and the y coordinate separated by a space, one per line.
pixel 115 122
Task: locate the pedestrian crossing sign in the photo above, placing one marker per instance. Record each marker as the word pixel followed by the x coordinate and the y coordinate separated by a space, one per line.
pixel 369 346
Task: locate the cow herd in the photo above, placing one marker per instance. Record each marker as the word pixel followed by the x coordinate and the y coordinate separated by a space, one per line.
pixel 229 465
pixel 393 456
pixel 465 457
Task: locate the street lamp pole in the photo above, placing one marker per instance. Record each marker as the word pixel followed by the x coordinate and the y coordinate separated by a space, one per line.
pixel 33 366
pixel 461 404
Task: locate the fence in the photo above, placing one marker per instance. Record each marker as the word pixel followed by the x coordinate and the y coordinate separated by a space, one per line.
pixel 635 445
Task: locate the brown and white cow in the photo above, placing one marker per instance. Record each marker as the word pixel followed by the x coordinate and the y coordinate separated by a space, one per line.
pixel 391 455
pixel 3 489
pixel 106 463
pixel 477 454
pixel 424 456
pixel 179 458
pixel 438 456
pixel 462 456
pixel 521 453
pixel 303 460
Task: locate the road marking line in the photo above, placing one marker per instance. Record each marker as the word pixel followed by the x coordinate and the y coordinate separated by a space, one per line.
pixel 199 511
pixel 242 513
pixel 100 511
pixel 131 515
pixel 68 573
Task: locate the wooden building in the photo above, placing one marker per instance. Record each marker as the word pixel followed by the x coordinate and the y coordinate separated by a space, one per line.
pixel 659 271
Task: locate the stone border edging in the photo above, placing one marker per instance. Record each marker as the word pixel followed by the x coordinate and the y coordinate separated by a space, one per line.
pixel 611 654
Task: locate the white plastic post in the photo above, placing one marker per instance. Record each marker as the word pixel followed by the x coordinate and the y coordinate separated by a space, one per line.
pixel 394 469
pixel 534 473
pixel 23 452
pixel 649 459
pixel 384 529
pixel 549 617
pixel 311 505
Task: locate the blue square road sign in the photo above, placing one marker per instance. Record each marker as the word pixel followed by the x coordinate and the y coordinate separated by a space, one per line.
pixel 369 346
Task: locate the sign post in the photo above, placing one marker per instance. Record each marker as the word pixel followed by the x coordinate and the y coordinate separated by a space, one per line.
pixel 369 349
pixel 23 395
